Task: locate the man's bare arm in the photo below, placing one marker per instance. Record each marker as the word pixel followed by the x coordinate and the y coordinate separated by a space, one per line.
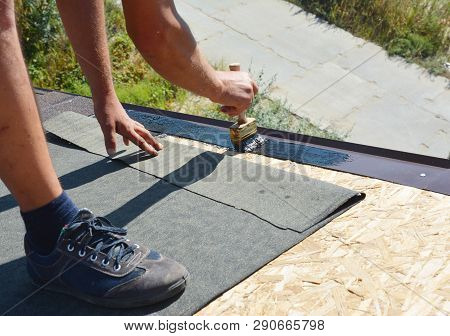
pixel 84 22
pixel 167 44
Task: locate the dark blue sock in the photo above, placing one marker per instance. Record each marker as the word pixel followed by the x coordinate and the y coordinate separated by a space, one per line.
pixel 44 224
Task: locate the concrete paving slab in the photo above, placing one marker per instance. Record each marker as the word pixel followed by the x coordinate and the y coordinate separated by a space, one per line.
pixel 439 106
pixel 249 53
pixel 414 127
pixel 215 6
pixel 404 80
pixel 357 56
pixel 268 20
pixel 309 45
pixel 333 109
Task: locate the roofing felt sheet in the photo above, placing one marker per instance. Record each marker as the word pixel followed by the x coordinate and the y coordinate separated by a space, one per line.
pixel 284 199
pixel 222 217
pixel 219 244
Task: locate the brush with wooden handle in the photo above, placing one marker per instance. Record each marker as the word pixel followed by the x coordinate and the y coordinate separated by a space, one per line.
pixel 242 131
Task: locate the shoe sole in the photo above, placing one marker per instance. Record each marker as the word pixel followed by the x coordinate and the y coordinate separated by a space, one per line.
pixel 173 290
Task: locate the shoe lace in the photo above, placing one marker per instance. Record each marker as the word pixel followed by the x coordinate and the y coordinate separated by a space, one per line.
pixel 98 232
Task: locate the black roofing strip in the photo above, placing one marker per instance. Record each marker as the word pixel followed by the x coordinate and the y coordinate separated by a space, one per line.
pixel 306 139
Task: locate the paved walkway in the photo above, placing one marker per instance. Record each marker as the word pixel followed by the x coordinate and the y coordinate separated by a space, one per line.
pixel 336 80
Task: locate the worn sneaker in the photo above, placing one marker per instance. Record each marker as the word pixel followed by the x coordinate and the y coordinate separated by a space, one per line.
pixel 93 261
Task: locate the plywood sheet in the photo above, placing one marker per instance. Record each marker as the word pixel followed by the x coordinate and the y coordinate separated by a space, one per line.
pixel 387 256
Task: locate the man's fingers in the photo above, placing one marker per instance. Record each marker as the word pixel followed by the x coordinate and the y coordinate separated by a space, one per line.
pixel 139 124
pixel 110 140
pixel 142 144
pixel 147 135
pixel 144 133
pixel 141 137
pixel 255 88
pixel 230 110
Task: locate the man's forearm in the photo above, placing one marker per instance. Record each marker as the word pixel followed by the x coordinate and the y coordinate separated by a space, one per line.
pixel 84 23
pixel 167 44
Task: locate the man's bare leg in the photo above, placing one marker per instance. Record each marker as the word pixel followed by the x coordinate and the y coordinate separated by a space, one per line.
pixel 140 276
pixel 25 167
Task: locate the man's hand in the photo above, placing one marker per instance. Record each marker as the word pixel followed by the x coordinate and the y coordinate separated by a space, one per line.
pixel 113 119
pixel 238 91
pixel 91 48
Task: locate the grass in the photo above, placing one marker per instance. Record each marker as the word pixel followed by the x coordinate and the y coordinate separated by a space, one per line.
pixel 417 30
pixel 52 65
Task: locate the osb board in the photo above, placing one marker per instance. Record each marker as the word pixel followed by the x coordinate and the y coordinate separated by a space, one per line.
pixel 386 256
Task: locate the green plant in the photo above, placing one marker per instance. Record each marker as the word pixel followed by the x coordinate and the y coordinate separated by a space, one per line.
pixel 128 67
pixel 40 27
pixel 154 92
pixel 50 59
pixel 114 18
pixel 412 46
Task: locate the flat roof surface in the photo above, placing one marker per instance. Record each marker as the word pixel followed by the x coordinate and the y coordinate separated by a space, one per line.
pixel 386 256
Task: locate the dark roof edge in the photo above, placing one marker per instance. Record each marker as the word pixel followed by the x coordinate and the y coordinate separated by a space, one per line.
pixel 306 139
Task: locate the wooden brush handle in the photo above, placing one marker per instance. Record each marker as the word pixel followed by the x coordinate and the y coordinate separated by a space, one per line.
pixel 242 118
